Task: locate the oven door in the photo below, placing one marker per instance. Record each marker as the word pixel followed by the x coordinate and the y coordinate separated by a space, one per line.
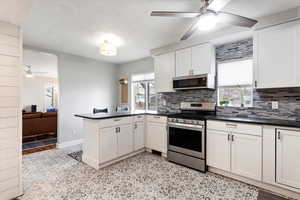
pixel 187 139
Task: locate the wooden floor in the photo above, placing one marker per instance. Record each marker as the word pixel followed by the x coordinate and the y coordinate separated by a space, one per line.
pixel 263 195
pixel 49 147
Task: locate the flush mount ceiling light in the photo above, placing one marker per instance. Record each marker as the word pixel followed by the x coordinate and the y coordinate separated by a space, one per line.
pixel 108 49
pixel 207 21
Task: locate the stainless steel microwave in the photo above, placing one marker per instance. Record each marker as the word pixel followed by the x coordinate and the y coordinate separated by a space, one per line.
pixel 203 81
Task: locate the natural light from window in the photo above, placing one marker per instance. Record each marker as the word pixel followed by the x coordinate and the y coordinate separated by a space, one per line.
pixel 144 97
pixel 235 83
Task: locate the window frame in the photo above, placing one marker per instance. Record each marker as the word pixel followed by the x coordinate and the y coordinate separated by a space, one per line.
pixel 237 86
pixel 147 95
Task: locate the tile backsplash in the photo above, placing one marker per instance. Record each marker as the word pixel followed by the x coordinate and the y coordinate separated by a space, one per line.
pixel 288 98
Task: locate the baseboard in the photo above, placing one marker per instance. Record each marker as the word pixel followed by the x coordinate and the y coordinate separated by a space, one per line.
pixel 272 188
pixel 69 144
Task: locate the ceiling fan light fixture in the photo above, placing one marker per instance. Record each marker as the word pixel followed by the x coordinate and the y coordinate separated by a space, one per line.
pixel 207 22
pixel 108 49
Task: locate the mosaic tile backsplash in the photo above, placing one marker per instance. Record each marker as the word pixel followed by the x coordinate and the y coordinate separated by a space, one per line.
pixel 288 98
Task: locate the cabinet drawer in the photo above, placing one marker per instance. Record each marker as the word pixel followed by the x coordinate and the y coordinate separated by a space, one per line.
pixel 139 118
pixel 235 127
pixel 157 119
pixel 114 122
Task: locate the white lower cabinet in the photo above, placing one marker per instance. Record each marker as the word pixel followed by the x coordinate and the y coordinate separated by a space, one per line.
pixel 108 144
pixel 157 133
pixel 139 135
pixel 288 160
pixel 218 150
pixel 125 139
pixel 115 142
pixel 239 153
pixel 246 155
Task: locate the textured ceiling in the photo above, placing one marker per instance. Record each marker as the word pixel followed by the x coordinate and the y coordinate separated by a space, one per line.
pixel 77 26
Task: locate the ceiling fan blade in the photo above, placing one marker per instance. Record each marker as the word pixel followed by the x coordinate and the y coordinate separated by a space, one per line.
pixel 191 30
pixel 235 20
pixel 217 5
pixel 175 14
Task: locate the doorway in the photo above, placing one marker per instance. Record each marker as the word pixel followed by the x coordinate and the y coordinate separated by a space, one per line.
pixel 40 94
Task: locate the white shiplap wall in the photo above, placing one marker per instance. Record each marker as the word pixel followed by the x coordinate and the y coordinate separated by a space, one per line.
pixel 10 111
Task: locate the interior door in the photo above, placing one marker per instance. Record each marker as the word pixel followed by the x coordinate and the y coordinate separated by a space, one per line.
pixel 218 149
pixel 125 139
pixel 246 155
pixel 139 135
pixel 288 162
pixel 108 144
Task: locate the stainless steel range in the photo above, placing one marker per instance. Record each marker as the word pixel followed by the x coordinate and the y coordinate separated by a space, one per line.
pixel 187 134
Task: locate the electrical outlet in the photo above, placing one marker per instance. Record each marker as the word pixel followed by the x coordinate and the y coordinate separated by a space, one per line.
pixel 74 132
pixel 274 105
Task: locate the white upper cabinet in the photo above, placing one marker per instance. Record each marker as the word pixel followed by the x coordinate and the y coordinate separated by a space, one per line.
pixel 204 59
pixel 164 68
pixel 184 62
pixel 288 162
pixel 197 60
pixel 276 52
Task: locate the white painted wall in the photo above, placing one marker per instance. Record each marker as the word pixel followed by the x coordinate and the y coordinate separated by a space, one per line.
pixel 83 84
pixel 145 65
pixel 34 91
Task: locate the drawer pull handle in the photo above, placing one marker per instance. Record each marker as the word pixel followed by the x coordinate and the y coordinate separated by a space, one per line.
pixel 279 135
pixel 156 117
pixel 117 120
pixel 228 137
pixel 232 138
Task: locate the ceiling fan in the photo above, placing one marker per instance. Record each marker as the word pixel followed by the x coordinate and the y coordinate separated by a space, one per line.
pixel 29 73
pixel 208 16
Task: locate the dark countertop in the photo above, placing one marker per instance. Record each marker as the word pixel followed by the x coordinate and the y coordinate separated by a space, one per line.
pixel 100 116
pixel 272 122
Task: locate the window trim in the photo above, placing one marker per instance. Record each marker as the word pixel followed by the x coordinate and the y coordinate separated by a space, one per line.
pixel 146 96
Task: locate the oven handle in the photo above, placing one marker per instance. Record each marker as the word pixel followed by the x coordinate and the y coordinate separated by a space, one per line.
pixel 186 126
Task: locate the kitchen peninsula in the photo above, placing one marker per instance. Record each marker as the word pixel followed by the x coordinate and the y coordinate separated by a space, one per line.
pixel 111 137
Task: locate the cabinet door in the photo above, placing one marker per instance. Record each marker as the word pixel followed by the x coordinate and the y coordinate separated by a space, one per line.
pixel 139 135
pixel 184 62
pixel 218 149
pixel 108 144
pixel 164 67
pixel 203 59
pixel 276 55
pixel 125 140
pixel 157 136
pixel 288 161
pixel 246 156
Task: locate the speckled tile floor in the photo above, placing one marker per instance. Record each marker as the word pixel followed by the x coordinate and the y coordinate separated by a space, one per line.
pixel 53 175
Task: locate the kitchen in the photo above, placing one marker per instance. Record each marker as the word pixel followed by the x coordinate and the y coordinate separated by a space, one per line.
pixel 170 111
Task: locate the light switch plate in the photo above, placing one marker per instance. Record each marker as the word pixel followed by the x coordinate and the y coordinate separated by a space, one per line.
pixel 275 105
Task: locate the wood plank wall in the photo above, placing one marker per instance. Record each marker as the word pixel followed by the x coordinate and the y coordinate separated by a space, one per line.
pixel 10 111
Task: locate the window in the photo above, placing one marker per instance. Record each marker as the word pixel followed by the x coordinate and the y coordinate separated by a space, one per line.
pixel 235 83
pixel 144 97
